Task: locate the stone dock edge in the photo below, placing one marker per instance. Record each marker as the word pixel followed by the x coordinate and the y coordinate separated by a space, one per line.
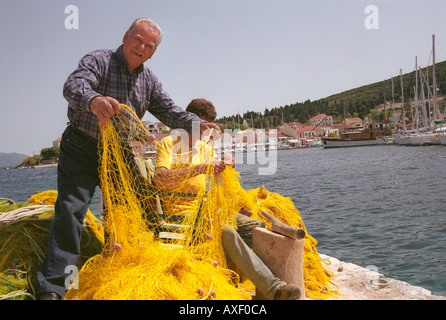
pixel 358 283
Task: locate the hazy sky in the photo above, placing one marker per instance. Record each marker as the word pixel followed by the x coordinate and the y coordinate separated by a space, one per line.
pixel 241 54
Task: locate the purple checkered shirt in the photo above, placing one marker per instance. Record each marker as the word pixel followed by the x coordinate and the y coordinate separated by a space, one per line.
pixel 105 73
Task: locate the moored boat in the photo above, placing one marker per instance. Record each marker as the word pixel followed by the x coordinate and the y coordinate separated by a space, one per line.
pixel 366 137
pixel 422 139
pixel 333 143
pixel 402 140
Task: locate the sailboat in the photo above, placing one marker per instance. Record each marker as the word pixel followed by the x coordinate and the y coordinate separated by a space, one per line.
pixel 422 135
pixel 403 138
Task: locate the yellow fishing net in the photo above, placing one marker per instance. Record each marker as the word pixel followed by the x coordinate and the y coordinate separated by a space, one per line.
pixel 160 236
pixel 24 238
pixel 316 276
pixel 140 260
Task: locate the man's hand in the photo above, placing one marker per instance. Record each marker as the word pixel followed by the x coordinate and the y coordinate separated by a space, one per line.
pixel 218 169
pixel 104 108
pixel 209 125
pixel 150 139
pixel 229 159
pixel 245 211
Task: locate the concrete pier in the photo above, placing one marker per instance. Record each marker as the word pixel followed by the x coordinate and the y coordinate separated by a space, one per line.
pixel 358 283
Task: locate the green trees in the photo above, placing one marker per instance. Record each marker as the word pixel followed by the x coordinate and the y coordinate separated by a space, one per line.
pixel 359 102
pixel 29 162
pixel 49 153
pixel 46 154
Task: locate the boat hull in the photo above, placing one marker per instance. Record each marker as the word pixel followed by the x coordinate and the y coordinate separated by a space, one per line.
pixel 403 140
pixel 333 143
pixel 417 140
pixel 422 139
pixel 442 139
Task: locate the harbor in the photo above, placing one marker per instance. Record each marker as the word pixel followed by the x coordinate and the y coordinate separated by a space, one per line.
pixel 378 206
pixel 375 208
pixel 324 122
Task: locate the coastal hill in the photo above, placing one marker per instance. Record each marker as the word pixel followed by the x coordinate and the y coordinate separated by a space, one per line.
pixel 11 159
pixel 358 102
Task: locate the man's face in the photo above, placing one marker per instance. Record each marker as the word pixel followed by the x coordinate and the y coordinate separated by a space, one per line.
pixel 139 45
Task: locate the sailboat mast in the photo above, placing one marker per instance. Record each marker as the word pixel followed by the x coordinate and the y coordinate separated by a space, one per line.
pixel 393 99
pixel 434 89
pixel 429 98
pixel 426 122
pixel 402 95
pixel 416 92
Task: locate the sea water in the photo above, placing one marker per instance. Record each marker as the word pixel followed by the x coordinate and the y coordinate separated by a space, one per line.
pixel 380 206
pixel 20 184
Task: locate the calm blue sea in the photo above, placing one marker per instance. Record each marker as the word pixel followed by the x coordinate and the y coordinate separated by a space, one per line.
pixel 380 205
pixel 21 184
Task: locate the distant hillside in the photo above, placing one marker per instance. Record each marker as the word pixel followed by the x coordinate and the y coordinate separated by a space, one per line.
pixel 11 159
pixel 358 101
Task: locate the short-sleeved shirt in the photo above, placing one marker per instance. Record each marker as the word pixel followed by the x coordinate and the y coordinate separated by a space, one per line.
pixel 175 154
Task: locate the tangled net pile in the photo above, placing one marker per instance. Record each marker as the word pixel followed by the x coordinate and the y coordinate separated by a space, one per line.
pixel 24 229
pixel 136 265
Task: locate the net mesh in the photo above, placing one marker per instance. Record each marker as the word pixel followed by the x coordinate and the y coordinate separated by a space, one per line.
pixel 163 232
pixel 24 239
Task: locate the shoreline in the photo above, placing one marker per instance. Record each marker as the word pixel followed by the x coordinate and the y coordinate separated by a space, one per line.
pixel 33 167
pixel 358 283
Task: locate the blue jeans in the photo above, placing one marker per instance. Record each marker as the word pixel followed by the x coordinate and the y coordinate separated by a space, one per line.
pixel 77 178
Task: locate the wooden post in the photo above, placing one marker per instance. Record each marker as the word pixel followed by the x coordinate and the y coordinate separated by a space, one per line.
pixel 282 255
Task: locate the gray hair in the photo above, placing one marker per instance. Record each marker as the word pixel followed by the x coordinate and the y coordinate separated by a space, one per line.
pixel 152 24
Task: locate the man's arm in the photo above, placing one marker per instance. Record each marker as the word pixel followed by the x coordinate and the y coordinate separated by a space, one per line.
pixel 164 109
pixel 168 177
pixel 80 88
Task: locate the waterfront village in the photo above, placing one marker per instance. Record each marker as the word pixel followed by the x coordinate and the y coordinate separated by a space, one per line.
pixel 288 136
pixel 292 135
pixel 320 131
pixel 313 133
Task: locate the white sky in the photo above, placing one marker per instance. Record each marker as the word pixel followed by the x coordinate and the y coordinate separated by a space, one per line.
pixel 244 55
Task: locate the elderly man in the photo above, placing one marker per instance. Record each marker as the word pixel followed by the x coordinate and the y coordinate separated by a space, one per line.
pixel 103 80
